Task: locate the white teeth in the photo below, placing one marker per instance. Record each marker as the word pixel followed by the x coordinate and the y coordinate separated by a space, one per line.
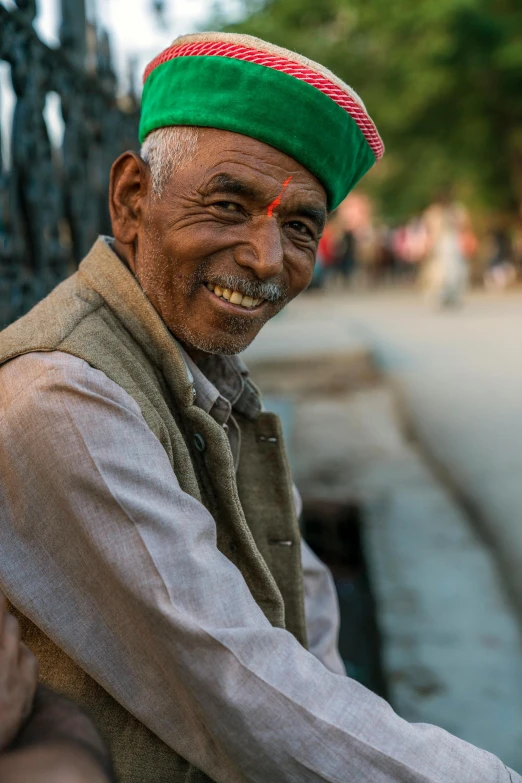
pixel 234 297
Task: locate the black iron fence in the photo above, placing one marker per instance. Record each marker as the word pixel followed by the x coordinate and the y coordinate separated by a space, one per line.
pixel 53 202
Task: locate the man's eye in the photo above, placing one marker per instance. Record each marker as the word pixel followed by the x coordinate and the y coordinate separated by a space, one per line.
pixel 229 206
pixel 301 228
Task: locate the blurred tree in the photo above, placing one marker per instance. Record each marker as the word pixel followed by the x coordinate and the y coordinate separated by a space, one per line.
pixel 441 78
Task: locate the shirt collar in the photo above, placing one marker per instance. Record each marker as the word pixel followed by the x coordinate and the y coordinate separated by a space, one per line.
pixel 221 383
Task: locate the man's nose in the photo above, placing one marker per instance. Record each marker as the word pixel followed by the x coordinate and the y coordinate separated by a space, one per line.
pixel 262 251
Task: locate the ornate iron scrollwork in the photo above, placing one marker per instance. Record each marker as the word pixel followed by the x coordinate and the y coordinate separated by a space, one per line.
pixel 53 203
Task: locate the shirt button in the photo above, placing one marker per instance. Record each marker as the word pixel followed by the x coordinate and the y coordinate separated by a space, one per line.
pixel 225 427
pixel 194 392
pixel 199 442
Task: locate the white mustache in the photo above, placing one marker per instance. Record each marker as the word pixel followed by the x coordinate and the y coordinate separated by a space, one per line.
pixel 272 292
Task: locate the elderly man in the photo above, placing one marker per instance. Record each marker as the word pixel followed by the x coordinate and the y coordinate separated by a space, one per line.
pixel 149 531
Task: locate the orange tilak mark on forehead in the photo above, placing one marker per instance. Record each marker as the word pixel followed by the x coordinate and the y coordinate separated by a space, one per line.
pixel 275 203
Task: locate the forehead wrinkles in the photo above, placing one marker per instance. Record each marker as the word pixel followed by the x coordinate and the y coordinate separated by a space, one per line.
pixel 269 181
pixel 217 148
pixel 262 164
pixel 261 176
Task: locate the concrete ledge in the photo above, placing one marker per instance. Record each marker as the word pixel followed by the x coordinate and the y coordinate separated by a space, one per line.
pixel 315 374
pixel 451 649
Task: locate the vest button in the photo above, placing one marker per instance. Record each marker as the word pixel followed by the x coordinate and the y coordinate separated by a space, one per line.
pixel 199 442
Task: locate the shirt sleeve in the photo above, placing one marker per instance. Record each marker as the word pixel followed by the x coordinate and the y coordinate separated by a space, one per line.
pixel 322 614
pixel 321 611
pixel 119 566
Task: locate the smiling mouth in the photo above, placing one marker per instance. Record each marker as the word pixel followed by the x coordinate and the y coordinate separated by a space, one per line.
pixel 234 297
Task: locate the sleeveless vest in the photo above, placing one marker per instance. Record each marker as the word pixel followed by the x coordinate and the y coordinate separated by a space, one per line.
pixel 101 315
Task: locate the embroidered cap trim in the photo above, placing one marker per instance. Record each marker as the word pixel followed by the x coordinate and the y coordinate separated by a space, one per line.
pixel 296 69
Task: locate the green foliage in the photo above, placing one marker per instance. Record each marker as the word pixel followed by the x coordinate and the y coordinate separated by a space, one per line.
pixel 441 78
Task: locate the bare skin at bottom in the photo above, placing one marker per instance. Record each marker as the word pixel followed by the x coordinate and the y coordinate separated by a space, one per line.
pixel 44 738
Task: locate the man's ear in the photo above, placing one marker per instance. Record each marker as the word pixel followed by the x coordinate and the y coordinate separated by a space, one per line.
pixel 128 195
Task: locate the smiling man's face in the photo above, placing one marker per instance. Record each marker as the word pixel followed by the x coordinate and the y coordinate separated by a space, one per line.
pixel 229 242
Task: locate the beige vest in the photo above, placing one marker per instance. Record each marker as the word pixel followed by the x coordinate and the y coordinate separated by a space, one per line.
pixel 101 315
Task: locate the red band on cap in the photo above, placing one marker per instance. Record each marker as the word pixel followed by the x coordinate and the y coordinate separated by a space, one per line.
pixel 296 69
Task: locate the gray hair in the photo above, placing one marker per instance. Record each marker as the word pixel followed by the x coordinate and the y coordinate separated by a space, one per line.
pixel 167 150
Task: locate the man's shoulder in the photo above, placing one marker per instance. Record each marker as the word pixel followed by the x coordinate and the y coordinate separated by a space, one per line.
pixel 51 321
pixel 25 378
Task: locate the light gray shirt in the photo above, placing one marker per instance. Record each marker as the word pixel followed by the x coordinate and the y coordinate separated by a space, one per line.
pixel 103 550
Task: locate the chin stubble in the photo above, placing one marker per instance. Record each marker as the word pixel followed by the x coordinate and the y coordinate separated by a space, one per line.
pixel 235 337
pixel 235 334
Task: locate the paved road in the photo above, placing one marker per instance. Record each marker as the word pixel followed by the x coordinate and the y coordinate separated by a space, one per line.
pixel 461 377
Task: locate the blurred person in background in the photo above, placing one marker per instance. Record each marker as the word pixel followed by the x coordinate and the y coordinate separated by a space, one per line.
pixel 44 738
pixel 336 252
pixel 409 243
pixel 326 258
pixel 500 272
pixel 516 244
pixel 387 262
pixel 448 232
pixel 361 256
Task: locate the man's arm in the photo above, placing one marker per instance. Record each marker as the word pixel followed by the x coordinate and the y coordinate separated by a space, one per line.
pixel 321 604
pixel 157 615
pixel 45 737
pixel 18 677
pixel 57 743
pixel 321 611
pixel 53 763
